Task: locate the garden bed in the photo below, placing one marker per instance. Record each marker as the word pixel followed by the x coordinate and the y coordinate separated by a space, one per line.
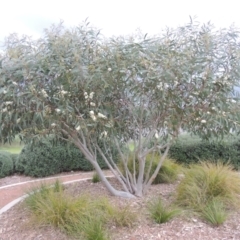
pixel 16 224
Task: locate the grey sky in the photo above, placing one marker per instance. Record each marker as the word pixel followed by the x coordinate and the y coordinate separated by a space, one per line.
pixel 114 17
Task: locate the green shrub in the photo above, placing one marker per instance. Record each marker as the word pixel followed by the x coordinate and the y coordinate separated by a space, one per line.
pixel 14 158
pixel 70 158
pixel 160 212
pixel 44 159
pixel 168 172
pixel 38 160
pixel 206 181
pixel 6 164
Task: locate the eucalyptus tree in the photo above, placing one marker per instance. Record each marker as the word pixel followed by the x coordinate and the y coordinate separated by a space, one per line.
pixel 82 88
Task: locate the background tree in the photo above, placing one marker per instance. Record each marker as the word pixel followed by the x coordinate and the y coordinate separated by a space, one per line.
pixel 82 88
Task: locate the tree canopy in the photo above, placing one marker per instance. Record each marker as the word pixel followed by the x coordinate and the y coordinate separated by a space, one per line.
pixel 78 86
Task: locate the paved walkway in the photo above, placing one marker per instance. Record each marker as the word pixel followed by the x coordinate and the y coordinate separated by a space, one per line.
pixel 9 193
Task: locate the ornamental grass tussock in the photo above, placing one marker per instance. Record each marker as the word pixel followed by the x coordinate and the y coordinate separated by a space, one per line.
pixel 210 190
pixel 82 215
pixel 214 212
pixel 95 178
pixel 161 212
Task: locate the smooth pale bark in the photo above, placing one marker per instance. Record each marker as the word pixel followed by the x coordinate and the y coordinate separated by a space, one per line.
pixel 150 181
pixel 109 187
pixel 139 187
pixel 100 173
pixel 117 173
pixel 92 159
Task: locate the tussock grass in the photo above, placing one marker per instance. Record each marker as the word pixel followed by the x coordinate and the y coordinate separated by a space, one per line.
pixel 95 178
pixel 123 217
pixel 206 181
pixel 215 212
pixel 211 190
pixel 168 172
pixel 161 212
pixel 93 228
pixel 83 216
pixel 52 206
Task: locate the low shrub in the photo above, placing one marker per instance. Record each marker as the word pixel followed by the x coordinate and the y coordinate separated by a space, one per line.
pixel 206 181
pixel 6 164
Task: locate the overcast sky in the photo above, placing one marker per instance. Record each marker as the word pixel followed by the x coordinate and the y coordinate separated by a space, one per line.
pixel 114 17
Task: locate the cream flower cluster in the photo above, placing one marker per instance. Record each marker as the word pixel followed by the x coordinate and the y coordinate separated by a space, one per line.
pixel 89 97
pixel 44 93
pixel 103 134
pixel 99 115
pixel 78 128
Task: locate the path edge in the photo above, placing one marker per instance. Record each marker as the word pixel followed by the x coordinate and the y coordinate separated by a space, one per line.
pixel 18 200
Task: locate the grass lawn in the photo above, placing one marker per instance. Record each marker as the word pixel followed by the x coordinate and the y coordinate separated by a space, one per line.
pixel 11 149
pixel 14 147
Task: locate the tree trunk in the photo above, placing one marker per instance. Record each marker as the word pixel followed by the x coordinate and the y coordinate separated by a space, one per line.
pixel 92 159
pixel 150 181
pixel 139 185
pixel 109 187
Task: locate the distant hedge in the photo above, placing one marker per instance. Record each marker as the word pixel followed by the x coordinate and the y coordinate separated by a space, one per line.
pixel 43 159
pixel 189 150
